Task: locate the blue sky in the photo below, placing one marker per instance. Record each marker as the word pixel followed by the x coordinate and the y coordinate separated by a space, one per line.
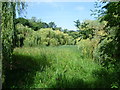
pixel 62 13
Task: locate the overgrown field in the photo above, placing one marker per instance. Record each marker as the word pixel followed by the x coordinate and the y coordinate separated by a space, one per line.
pixel 55 67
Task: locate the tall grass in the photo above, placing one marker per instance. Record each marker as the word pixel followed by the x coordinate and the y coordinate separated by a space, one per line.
pixel 53 67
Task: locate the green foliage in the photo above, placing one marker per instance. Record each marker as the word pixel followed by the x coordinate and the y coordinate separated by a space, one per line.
pixel 22 21
pixel 85 31
pixel 77 23
pixel 95 24
pixel 58 67
pixel 48 37
pixel 86 46
pixel 22 32
pixel 107 54
pixel 7 33
pixel 31 23
pixel 112 14
pixel 37 25
pixel 74 34
pixel 52 25
pixel 104 52
pixel 107 51
pixel 90 28
pixel 9 10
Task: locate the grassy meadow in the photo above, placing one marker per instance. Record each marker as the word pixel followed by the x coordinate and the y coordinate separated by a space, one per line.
pixel 40 54
pixel 54 67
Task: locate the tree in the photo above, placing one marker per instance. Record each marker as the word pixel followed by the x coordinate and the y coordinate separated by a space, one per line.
pixel 33 19
pixel 58 28
pixel 108 50
pixel 22 33
pixel 111 15
pixel 65 30
pixel 22 21
pixel 18 7
pixel 86 31
pixel 37 24
pixel 45 25
pixel 77 23
pixel 52 25
pixel 74 34
pixel 9 10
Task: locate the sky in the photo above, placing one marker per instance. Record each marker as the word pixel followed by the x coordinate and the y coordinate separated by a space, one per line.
pixel 62 13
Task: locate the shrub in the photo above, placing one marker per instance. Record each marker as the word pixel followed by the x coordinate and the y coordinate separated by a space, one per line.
pixel 86 46
pixel 22 33
pixel 105 53
pixel 48 37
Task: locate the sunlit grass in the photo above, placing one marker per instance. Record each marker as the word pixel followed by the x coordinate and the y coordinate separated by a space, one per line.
pixel 54 67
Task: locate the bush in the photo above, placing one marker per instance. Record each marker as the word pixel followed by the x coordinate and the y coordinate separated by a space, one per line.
pixel 48 37
pixel 106 53
pixel 22 33
pixel 86 46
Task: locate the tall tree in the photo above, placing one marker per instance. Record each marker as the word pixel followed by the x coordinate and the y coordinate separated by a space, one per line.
pixel 8 33
pixel 109 47
pixel 112 16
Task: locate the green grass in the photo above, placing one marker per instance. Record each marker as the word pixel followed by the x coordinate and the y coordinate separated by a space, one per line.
pixel 54 67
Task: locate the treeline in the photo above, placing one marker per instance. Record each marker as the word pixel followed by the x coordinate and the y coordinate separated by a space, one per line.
pixel 33 32
pixel 36 24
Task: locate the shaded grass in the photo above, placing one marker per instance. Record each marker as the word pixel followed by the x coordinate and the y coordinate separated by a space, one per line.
pixel 23 69
pixel 54 67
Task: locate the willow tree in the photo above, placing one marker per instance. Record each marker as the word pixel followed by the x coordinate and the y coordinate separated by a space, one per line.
pixel 8 34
